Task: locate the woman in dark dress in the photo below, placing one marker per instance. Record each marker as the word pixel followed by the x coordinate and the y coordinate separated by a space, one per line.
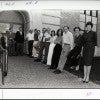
pixel 89 43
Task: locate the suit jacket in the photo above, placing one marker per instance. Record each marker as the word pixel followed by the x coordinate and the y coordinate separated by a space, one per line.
pixel 19 38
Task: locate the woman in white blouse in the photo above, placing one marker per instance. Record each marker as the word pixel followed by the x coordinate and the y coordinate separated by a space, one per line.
pixel 51 47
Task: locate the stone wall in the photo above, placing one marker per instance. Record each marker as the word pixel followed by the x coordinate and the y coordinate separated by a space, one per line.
pixel 37 19
pixel 70 18
pixel 11 17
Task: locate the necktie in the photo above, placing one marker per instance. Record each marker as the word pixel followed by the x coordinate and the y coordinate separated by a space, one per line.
pixel 42 37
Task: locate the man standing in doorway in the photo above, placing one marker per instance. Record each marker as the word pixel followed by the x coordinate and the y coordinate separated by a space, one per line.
pixel 11 44
pixel 68 41
pixel 30 39
pixel 19 39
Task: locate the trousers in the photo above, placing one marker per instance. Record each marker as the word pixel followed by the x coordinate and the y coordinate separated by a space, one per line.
pixel 30 47
pixel 73 56
pixel 63 57
pixel 43 46
pixel 20 48
pixel 56 55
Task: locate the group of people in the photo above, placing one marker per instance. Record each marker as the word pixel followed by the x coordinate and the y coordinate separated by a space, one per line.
pixel 57 48
pixel 14 42
pixel 33 39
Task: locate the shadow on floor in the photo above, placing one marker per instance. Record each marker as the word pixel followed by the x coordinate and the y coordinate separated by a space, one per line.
pixel 95 71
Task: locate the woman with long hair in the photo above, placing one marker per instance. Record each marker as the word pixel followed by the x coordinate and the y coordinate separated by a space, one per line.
pixel 57 49
pixel 51 47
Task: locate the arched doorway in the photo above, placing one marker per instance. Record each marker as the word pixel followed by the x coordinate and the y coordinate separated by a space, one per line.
pixel 11 21
pixel 14 19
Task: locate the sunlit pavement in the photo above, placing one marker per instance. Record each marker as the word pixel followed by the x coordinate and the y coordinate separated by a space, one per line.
pixel 25 73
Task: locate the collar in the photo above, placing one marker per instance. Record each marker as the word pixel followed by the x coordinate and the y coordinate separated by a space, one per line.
pixel 67 32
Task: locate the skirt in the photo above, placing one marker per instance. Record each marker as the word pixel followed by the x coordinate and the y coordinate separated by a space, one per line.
pixel 50 53
pixel 88 54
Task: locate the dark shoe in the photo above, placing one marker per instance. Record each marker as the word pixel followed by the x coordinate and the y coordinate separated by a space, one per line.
pixel 86 81
pixel 54 67
pixel 57 71
pixel 44 62
pixel 83 81
pixel 5 73
pixel 31 57
pixel 50 68
pixel 37 60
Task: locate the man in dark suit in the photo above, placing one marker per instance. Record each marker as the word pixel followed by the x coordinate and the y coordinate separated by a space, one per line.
pixel 19 39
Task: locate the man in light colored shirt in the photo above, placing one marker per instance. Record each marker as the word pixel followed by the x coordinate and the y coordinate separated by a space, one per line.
pixel 30 39
pixel 68 42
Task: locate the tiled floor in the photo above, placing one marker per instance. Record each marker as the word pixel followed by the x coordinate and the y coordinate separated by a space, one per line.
pixel 25 73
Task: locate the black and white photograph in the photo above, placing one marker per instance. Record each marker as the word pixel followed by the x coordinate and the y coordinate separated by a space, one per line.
pixel 50 48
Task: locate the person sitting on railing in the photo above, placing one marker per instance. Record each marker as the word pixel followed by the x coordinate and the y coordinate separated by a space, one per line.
pixel 74 55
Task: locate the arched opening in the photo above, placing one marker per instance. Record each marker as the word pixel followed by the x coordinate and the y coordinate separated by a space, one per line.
pixel 13 20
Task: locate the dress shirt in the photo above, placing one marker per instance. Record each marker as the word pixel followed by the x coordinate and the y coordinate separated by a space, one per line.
pixel 46 36
pixel 68 39
pixel 20 32
pixel 52 39
pixel 40 36
pixel 30 36
pixel 59 40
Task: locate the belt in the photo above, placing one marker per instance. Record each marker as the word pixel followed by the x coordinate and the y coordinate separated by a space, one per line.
pixel 66 44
